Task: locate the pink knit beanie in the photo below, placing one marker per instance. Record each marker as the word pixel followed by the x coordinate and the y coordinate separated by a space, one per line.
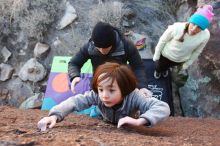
pixel 202 17
pixel 206 11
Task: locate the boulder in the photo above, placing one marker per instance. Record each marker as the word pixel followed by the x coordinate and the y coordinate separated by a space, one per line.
pixel 200 96
pixel 5 53
pixel 32 71
pixel 6 71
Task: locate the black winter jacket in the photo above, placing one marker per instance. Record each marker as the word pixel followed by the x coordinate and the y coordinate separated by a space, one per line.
pixel 123 52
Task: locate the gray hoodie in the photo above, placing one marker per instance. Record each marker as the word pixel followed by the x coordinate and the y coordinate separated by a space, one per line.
pixel 150 108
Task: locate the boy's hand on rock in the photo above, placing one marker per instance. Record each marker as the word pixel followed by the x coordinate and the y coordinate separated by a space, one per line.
pixel 42 124
pixel 131 121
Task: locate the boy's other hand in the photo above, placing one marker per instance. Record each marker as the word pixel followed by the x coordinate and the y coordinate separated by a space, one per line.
pixel 73 84
pixel 131 121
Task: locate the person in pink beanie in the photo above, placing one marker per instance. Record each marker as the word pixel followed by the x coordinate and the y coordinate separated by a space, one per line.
pixel 183 42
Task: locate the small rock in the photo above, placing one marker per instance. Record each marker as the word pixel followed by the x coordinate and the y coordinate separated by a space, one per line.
pixel 32 102
pixel 40 50
pixel 32 71
pixel 69 16
pixel 6 54
pixel 5 71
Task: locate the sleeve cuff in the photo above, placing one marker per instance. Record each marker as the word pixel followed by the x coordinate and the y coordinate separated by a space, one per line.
pixel 155 58
pixel 59 117
pixel 150 122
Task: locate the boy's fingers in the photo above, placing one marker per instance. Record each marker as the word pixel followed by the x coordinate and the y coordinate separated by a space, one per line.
pixel 42 125
pixel 120 123
pixel 52 124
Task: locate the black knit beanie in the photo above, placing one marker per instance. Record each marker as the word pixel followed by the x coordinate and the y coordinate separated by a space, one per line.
pixel 103 35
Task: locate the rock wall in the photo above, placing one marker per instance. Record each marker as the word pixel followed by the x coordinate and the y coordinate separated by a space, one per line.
pixel 200 96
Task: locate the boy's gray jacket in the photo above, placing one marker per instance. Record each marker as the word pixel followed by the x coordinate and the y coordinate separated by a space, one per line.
pixel 150 108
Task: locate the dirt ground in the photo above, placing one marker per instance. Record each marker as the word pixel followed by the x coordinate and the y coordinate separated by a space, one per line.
pixel 18 128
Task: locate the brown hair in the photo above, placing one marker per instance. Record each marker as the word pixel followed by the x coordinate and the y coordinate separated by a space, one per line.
pixel 121 73
pixel 181 39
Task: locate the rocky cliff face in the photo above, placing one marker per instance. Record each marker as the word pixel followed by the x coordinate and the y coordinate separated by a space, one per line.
pixel 200 96
pixel 35 31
